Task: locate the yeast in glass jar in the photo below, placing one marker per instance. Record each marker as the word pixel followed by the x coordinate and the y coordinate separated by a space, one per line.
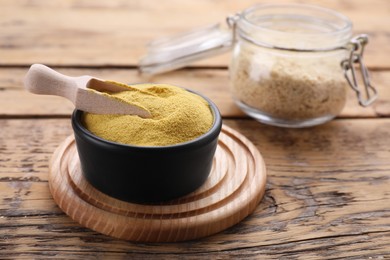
pixel 291 63
pixel 285 68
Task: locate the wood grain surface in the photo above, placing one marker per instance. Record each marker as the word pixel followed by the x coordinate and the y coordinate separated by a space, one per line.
pixel 76 33
pixel 214 83
pixel 327 196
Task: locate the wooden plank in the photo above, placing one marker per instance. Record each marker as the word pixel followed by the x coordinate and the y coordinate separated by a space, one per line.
pixel 77 32
pixel 325 197
pixel 15 101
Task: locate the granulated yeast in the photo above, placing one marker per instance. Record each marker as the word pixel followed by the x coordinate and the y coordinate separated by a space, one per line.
pixel 177 116
pixel 287 87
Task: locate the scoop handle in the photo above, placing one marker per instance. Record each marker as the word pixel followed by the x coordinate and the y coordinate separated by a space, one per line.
pixel 43 80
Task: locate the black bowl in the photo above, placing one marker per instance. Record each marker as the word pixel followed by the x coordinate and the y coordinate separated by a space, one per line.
pixel 145 174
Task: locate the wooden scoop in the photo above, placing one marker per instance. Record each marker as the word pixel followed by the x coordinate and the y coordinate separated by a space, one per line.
pixel 85 92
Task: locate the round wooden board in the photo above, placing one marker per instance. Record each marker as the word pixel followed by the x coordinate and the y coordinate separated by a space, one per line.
pixel 233 190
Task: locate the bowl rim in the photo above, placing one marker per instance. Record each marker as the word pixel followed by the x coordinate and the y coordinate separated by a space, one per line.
pixel 205 138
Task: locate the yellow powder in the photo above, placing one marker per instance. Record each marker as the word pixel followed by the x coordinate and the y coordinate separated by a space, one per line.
pixel 177 116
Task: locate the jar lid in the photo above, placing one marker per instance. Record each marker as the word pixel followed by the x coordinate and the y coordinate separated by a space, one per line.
pixel 178 51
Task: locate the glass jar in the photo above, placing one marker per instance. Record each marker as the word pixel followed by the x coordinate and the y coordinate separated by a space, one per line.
pixel 285 68
pixel 291 63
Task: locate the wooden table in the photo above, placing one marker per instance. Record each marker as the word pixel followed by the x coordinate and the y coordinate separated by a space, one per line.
pixel 327 193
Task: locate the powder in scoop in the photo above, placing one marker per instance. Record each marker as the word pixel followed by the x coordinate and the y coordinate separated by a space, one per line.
pixel 177 116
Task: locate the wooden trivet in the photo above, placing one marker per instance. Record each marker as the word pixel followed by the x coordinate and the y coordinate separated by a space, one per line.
pixel 233 190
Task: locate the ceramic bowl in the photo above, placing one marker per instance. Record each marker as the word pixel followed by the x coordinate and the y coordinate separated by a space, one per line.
pixel 145 174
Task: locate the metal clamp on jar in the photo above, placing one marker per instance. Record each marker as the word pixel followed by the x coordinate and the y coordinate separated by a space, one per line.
pixel 290 64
